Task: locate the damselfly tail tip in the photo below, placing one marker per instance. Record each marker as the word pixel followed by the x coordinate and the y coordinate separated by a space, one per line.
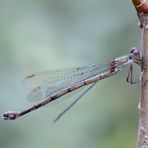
pixel 10 115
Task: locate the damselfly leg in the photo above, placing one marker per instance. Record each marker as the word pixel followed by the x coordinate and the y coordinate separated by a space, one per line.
pixel 138 61
pixel 130 76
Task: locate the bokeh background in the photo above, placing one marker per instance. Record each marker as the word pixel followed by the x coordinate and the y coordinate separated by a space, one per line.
pixel 43 35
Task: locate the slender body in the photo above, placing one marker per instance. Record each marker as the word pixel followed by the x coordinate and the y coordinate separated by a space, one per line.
pixel 110 69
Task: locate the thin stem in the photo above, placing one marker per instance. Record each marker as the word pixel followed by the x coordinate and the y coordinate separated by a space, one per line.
pixel 142 141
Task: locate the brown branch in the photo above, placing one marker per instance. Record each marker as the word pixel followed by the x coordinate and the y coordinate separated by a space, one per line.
pixel 141 6
pixel 142 141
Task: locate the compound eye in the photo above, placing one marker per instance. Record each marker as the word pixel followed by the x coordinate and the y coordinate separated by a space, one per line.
pixel 134 51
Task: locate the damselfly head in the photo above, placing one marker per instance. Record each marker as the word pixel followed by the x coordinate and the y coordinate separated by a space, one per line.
pixel 135 55
pixel 135 51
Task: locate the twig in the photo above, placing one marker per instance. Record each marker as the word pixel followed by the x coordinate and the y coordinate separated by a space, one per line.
pixel 141 7
pixel 142 141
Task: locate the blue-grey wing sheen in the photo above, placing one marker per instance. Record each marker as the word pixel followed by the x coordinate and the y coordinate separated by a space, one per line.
pixel 46 83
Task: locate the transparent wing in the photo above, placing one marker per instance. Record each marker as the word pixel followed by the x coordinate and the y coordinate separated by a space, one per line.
pixel 45 83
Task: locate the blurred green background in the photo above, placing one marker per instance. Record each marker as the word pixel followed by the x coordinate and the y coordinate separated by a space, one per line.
pixel 45 35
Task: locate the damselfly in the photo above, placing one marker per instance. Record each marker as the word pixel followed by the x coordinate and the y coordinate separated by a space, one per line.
pixel 49 86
